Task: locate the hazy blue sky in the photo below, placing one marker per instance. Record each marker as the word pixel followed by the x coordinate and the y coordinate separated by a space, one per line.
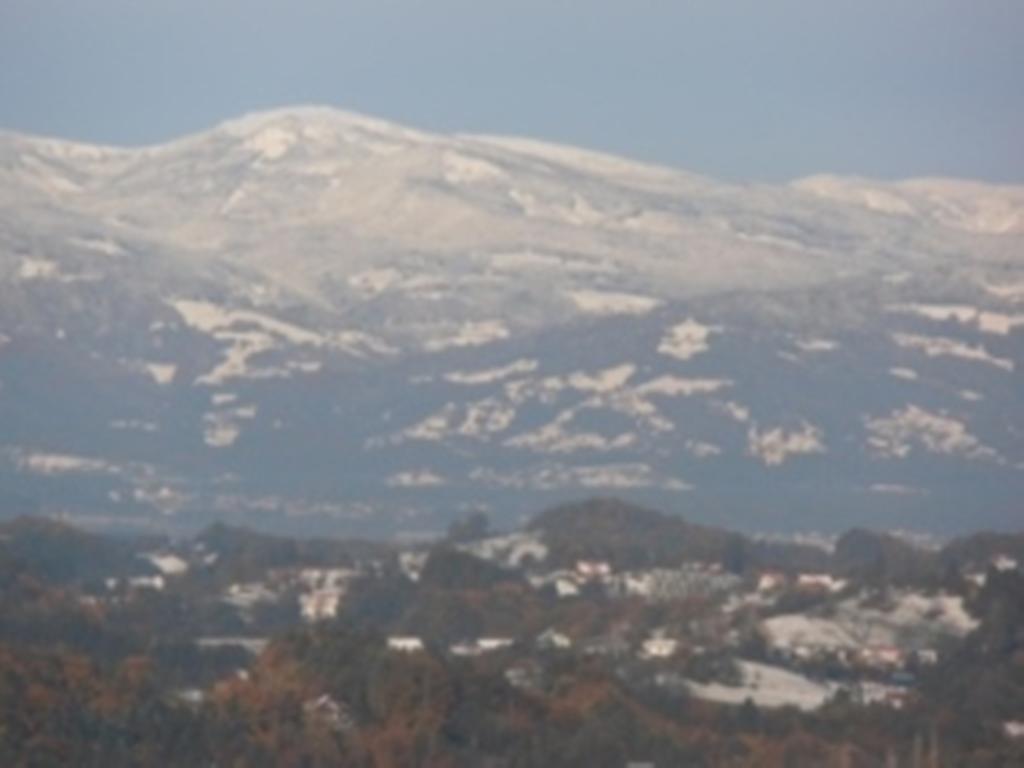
pixel 762 89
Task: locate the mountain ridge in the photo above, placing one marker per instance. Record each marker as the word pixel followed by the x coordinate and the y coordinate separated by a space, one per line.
pixel 434 323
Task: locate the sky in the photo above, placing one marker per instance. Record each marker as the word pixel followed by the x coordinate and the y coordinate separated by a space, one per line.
pixel 759 90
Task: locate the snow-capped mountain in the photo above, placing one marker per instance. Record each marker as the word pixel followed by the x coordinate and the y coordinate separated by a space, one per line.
pixel 307 318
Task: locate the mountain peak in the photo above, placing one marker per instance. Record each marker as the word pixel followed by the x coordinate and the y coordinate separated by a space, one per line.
pixel 315 122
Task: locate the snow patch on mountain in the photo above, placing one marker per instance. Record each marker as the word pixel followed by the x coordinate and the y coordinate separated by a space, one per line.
pixel 102 245
pixel 896 489
pixel 161 373
pixel 491 375
pixel 486 417
pixel 939 346
pixel 211 318
pixel 984 321
pixel 700 449
pixel 686 340
pixel 678 386
pixel 419 478
pixel 901 618
pixel 167 564
pixel 552 477
pixel 470 335
pixel 555 437
pixel 511 550
pixel 593 302
pixel 767 686
pixel 816 345
pixel 464 169
pixel 908 374
pixel 774 446
pixel 895 435
pixel 223 428
pixel 37 269
pixel 735 411
pixel 42 463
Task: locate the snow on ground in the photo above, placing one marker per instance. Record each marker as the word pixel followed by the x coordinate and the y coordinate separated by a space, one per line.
pixel 1011 292
pixel 471 335
pixel 209 318
pixel 221 434
pixel 984 321
pixel 375 281
pixel 167 564
pixel 702 450
pixel 518 261
pixel 607 380
pixel 767 686
pixel 37 269
pixel 243 347
pixel 247 334
pixel 139 425
pixel 221 428
pixel 896 489
pixel 611 303
pixel 478 420
pixel 962 205
pixel 511 550
pixel 816 345
pixel 359 344
pixel 60 464
pixel 938 346
pixel 775 446
pixel 686 340
pixel 909 374
pixel 253 645
pixel 485 417
pixel 420 478
pixel 606 389
pixel 904 619
pixel 102 245
pixel 464 169
pixel 676 386
pixel 994 322
pixel 559 477
pixel 435 427
pixel 161 373
pixel 490 375
pixel 895 435
pixel 271 143
pixel 554 438
pixel 735 411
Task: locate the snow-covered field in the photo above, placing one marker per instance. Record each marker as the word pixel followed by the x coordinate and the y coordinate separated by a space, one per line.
pixel 906 620
pixel 767 686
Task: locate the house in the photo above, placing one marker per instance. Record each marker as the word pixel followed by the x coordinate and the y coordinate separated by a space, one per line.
pixel 551 640
pixel 488 644
pixel 405 644
pixel 1004 563
pixel 1014 729
pixel 658 647
pixel 882 656
pixel 819 582
pixel 566 588
pixel 480 646
pixel 593 569
pixel 769 581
